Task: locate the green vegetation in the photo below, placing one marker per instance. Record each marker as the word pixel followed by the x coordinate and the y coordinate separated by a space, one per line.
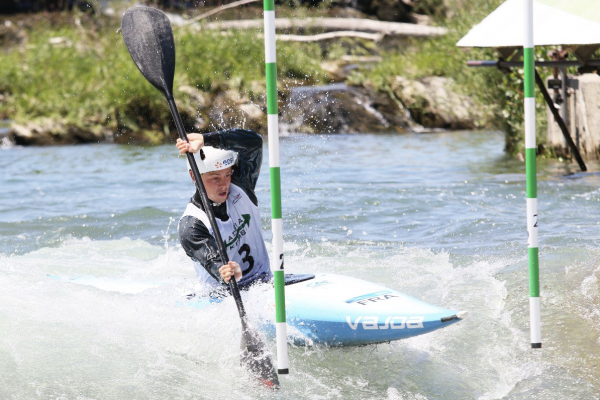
pixel 211 61
pixel 74 67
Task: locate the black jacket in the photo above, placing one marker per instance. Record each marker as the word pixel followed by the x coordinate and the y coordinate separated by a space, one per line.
pixel 195 238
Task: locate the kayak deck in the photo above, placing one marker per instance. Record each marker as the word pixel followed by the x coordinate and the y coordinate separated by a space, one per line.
pixel 338 310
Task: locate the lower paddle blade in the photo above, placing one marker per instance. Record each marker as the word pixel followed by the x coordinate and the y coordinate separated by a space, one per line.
pixel 149 39
pixel 257 358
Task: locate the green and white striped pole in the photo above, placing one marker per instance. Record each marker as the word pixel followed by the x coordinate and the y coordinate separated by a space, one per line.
pixel 276 221
pixel 530 171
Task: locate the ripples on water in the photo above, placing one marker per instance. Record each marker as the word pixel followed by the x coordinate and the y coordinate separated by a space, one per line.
pixel 437 216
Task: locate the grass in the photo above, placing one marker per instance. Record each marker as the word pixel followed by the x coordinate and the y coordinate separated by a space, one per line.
pixel 212 61
pixel 89 78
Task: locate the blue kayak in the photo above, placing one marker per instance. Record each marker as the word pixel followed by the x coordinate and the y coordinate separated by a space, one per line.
pixel 338 310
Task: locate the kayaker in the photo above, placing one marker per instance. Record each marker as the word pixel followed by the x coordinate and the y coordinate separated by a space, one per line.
pixel 229 163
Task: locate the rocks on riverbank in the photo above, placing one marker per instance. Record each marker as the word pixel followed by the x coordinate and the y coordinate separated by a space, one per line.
pixel 47 131
pixel 435 102
pixel 339 108
pixel 411 106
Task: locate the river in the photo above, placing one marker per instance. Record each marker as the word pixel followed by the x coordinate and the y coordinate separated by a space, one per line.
pixel 438 216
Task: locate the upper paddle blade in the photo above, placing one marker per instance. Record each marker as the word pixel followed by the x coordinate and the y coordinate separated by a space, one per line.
pixel 149 39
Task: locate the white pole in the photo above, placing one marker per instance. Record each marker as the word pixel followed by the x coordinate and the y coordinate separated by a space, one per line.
pixel 531 171
pixel 275 178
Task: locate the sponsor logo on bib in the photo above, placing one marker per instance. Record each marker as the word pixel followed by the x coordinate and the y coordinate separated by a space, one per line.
pixel 236 198
pixel 240 230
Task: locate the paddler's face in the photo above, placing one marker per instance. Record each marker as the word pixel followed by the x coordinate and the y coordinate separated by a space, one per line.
pixel 217 184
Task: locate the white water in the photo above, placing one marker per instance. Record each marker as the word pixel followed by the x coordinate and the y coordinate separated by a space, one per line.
pixel 458 219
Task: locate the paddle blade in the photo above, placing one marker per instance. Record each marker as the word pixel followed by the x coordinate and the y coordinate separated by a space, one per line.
pixel 149 39
pixel 257 358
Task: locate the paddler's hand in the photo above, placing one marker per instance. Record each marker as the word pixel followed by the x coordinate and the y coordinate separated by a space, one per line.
pixel 228 270
pixel 196 142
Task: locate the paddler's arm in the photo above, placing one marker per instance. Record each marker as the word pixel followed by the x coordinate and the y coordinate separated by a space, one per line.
pixel 248 145
pixel 200 245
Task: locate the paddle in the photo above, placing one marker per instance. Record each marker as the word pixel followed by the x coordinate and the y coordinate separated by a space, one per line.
pixel 149 39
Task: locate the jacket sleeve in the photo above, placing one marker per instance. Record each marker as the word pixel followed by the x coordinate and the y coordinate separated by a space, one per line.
pixel 248 145
pixel 200 245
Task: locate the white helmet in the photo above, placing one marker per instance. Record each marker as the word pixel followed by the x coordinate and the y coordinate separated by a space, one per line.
pixel 212 159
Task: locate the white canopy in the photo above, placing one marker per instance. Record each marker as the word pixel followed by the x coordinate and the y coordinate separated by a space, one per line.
pixel 555 22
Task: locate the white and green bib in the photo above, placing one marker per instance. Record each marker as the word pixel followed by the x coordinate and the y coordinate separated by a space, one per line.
pixel 241 234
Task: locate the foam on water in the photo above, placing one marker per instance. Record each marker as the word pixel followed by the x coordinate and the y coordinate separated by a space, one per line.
pixel 445 227
pixel 66 339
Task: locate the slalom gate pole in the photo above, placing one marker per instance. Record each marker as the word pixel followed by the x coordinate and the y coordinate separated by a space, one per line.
pixel 531 171
pixel 275 178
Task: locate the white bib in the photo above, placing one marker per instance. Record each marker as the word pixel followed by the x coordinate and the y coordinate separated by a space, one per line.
pixel 241 234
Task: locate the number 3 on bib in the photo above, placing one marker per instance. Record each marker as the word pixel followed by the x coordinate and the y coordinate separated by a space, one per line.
pixel 247 258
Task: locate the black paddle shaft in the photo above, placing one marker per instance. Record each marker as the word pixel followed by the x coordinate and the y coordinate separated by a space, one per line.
pixel 149 38
pixel 209 211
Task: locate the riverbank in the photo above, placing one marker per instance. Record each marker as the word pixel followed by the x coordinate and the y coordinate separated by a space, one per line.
pixel 67 78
